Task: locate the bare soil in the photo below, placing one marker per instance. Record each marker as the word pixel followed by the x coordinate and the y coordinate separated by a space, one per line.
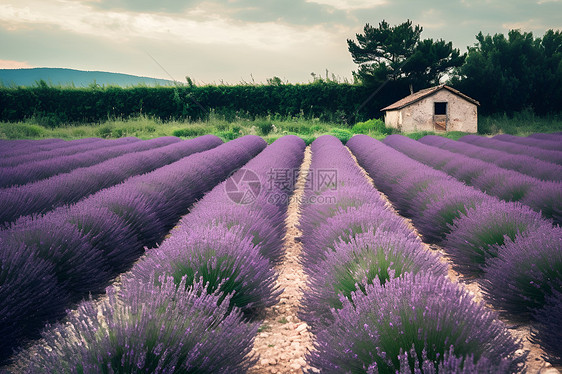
pixel 284 339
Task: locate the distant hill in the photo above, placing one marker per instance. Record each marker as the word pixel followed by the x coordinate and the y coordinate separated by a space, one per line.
pixel 78 78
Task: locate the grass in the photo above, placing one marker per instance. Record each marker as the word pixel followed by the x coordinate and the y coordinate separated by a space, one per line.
pixel 144 127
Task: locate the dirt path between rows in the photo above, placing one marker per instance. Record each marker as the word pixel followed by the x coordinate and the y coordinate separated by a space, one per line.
pixel 283 339
pixel 535 362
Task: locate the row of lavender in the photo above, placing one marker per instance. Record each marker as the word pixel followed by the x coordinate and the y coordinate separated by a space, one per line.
pixel 508 185
pixel 13 148
pixel 83 156
pixel 190 304
pixel 68 188
pixel 551 142
pixel 520 163
pixel 377 299
pixel 50 261
pixel 514 253
pixel 548 155
pixel 88 145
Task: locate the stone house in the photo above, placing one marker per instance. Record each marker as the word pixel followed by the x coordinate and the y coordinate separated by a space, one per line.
pixel 439 108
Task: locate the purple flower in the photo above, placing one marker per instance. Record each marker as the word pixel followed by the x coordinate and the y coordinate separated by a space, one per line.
pixel 378 326
pixel 547 329
pixel 526 271
pixel 223 260
pixel 148 328
pixel 475 236
pixel 367 258
pixel 345 225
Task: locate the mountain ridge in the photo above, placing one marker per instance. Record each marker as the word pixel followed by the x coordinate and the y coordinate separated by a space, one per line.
pixel 72 77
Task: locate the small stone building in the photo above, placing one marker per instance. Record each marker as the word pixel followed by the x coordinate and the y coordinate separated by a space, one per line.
pixel 439 108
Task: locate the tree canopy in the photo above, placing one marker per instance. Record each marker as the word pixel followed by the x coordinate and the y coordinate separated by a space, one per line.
pixel 509 74
pixel 397 53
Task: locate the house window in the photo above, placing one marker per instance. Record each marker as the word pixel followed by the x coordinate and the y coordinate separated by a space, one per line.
pixel 440 108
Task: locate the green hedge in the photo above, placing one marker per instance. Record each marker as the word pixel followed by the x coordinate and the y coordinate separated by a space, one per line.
pixel 328 101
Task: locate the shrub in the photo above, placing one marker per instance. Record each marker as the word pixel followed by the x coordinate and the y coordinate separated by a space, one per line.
pixel 225 262
pixel 475 236
pixel 347 224
pixel 547 198
pixel 191 131
pixel 342 134
pixel 135 209
pixel 546 331
pixel 107 232
pixel 527 270
pixel 20 130
pixel 78 266
pixel 265 230
pixel 423 313
pixel 314 214
pixel 375 125
pixel 227 135
pixel 367 258
pixel 150 329
pixel 30 296
pixel 435 222
pixel 265 127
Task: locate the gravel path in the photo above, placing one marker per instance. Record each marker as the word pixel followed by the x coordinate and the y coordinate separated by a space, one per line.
pixel 284 339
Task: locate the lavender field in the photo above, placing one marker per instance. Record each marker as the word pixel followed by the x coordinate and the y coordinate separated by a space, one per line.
pixel 199 256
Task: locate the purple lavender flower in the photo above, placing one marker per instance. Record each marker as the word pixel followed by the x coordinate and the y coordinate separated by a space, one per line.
pixel 29 295
pixel 265 229
pixel 107 232
pixel 435 221
pixel 222 260
pixel 475 236
pixel 346 224
pixel 547 329
pixel 367 258
pixel 425 313
pixel 314 215
pixel 46 167
pixel 546 198
pixel 550 144
pixel 81 261
pixel 147 328
pixel 526 271
pixel 78 266
pixel 520 163
pixel 514 148
pixel 68 188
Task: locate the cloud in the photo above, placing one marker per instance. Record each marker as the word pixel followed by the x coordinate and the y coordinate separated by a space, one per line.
pixel 196 26
pixel 350 4
pixel 9 64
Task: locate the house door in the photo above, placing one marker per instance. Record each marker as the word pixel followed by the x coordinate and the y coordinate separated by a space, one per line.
pixel 440 116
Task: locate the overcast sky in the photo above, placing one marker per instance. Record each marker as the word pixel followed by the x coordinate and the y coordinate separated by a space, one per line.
pixel 237 40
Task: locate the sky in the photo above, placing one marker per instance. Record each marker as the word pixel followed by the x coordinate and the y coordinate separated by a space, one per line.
pixel 238 41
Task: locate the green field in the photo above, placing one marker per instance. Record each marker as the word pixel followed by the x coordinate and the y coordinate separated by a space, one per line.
pixel 270 129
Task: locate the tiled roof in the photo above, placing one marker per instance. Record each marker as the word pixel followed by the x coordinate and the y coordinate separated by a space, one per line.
pixel 417 96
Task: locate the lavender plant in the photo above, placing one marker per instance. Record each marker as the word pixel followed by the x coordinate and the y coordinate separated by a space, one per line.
pixel 346 224
pixel 148 329
pixel 78 267
pixel 30 295
pixel 526 271
pixel 368 257
pixel 68 188
pixel 224 261
pixel 265 228
pixel 475 236
pixel 424 313
pixel 547 330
